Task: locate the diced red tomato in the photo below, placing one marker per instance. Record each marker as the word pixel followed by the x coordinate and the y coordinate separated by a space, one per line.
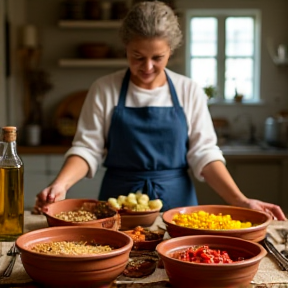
pixel 204 254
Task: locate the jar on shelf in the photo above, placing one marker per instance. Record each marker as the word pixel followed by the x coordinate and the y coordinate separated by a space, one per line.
pixel 119 10
pixel 93 10
pixel 106 10
pixel 73 10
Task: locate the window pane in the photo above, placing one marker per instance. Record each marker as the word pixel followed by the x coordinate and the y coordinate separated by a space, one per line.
pixel 239 36
pixel 203 36
pixel 239 75
pixel 203 71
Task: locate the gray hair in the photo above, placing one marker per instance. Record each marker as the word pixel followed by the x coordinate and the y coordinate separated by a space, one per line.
pixel 151 19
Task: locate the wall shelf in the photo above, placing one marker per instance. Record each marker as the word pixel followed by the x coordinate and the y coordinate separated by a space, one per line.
pixel 85 24
pixel 94 63
pixel 108 63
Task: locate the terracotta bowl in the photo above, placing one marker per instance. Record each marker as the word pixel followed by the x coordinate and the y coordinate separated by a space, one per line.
pixel 92 270
pixel 132 219
pixel 236 274
pixel 107 217
pixel 254 233
pixel 146 244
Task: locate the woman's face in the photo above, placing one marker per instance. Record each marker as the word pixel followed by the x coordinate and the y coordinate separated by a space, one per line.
pixel 147 59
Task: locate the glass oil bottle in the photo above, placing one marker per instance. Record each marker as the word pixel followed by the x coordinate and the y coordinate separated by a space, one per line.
pixel 11 188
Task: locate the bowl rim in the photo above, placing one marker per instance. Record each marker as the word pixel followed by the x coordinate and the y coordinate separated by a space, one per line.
pixel 248 229
pixel 130 212
pixel 84 200
pixel 253 259
pixel 109 254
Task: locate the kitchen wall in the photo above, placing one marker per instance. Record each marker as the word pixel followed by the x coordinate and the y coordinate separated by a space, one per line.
pixel 59 43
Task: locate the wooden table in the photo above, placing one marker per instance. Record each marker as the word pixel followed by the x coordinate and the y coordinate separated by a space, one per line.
pixel 268 274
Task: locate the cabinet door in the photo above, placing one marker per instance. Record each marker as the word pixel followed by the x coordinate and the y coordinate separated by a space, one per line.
pixel 88 188
pixel 85 188
pixel 256 178
pixel 260 180
pixel 35 178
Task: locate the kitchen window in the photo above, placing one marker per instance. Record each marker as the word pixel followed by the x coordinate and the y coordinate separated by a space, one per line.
pixel 223 51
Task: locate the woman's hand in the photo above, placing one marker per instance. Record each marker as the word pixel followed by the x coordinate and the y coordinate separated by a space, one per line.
pixel 49 195
pixel 74 169
pixel 274 210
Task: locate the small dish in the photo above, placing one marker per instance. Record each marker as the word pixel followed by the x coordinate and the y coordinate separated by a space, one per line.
pixel 145 239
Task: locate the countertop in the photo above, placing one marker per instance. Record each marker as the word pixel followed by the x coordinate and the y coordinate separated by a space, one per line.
pixel 43 149
pixel 268 275
pixel 231 151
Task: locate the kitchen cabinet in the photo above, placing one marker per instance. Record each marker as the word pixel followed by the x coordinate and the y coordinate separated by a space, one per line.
pixel 40 170
pixel 259 178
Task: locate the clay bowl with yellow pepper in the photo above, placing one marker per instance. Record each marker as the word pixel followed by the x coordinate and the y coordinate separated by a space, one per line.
pixel 222 220
pixel 136 209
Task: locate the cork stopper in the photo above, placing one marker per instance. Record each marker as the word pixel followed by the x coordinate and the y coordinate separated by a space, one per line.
pixel 9 133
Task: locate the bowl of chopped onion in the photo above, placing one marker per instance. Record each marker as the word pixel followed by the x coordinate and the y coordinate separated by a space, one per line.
pixel 210 261
pixel 223 220
pixel 74 256
pixel 136 209
pixel 82 212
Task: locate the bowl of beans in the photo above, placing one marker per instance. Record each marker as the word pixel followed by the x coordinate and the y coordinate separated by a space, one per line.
pixel 74 256
pixel 210 261
pixel 223 220
pixel 82 212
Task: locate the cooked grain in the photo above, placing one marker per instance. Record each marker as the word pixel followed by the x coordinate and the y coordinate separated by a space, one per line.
pixel 70 248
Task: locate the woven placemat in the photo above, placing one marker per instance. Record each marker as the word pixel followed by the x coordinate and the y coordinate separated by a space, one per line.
pixel 267 276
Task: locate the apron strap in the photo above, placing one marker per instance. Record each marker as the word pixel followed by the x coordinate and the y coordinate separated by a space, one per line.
pixel 173 92
pixel 125 84
pixel 124 89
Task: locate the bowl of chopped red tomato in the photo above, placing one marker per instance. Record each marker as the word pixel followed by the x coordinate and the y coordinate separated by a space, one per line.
pixel 222 220
pixel 210 261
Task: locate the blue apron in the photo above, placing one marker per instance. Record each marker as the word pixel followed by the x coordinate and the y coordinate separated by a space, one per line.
pixel 147 149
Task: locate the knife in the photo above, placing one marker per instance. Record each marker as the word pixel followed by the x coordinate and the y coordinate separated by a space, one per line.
pixel 280 259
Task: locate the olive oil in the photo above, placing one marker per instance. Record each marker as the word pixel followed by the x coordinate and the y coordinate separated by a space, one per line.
pixel 11 203
pixel 11 189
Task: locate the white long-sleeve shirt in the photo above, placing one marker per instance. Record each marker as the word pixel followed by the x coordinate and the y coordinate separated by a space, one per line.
pixel 95 118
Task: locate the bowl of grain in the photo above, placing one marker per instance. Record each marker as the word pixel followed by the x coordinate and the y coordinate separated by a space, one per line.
pixel 74 256
pixel 222 220
pixel 82 212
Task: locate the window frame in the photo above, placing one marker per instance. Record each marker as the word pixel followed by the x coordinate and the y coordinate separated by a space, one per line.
pixel 222 14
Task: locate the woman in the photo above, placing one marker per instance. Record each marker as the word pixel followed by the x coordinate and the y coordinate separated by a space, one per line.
pixel 149 124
